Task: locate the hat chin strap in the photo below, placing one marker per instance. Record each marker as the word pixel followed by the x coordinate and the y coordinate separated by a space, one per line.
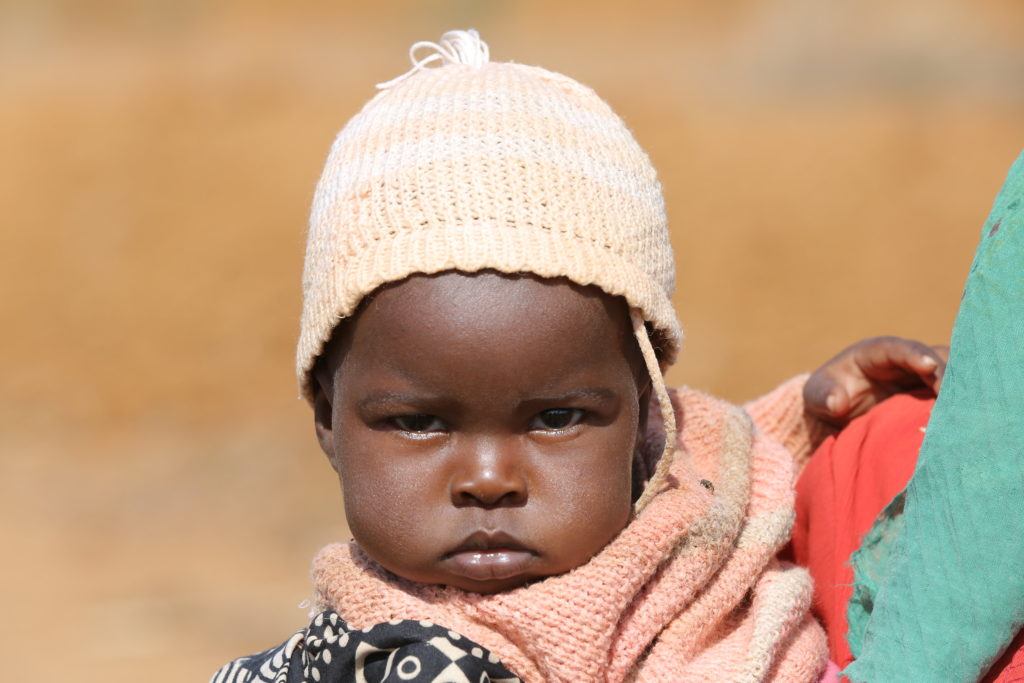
pixel 657 481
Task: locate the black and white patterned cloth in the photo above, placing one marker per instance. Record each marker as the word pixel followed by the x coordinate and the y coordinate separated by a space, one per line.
pixel 328 651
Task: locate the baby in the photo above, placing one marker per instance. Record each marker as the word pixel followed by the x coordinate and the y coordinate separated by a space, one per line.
pixel 487 318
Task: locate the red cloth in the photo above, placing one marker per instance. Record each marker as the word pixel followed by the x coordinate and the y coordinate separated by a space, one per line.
pixel 840 493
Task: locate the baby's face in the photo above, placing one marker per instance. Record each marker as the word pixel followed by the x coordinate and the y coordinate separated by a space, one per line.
pixel 483 426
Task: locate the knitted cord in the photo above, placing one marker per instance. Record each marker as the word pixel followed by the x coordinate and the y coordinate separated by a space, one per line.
pixel 456 47
pixel 657 480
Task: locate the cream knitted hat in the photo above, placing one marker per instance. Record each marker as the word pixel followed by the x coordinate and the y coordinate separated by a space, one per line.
pixel 475 165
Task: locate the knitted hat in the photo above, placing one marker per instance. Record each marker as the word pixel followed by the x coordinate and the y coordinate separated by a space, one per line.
pixel 476 165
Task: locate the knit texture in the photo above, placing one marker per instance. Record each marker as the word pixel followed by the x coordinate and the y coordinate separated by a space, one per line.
pixel 690 590
pixel 495 166
pixel 781 413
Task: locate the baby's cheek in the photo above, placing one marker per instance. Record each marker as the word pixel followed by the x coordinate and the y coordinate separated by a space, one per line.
pixel 595 508
pixel 392 514
pixel 396 535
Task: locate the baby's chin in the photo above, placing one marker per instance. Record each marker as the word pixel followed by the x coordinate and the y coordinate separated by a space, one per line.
pixel 483 575
pixel 502 563
pixel 492 586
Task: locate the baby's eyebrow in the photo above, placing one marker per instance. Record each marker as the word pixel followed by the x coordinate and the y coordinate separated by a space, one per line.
pixel 388 399
pixel 385 399
pixel 592 393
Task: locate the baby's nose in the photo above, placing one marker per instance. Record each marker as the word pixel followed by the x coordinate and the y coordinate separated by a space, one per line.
pixel 488 475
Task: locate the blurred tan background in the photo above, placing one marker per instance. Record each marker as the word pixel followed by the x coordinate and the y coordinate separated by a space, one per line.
pixel 827 168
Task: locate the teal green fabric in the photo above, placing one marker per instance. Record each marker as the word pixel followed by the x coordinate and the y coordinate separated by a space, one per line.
pixel 870 563
pixel 940 583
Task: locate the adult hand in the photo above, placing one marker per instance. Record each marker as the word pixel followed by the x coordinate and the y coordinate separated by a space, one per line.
pixel 870 371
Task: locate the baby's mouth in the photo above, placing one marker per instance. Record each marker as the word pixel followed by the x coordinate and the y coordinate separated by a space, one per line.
pixel 489 556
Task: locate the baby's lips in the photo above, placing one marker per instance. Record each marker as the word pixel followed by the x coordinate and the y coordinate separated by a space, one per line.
pixel 488 540
pixel 490 555
pixel 490 565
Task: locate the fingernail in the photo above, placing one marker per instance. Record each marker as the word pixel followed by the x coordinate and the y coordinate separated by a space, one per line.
pixel 929 362
pixel 832 402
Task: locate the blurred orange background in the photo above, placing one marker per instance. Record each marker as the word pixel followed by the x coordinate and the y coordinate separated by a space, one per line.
pixel 827 168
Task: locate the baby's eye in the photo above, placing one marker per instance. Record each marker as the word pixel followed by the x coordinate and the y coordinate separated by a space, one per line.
pixel 419 423
pixel 557 418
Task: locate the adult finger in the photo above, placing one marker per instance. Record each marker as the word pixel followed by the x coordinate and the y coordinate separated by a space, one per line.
pixel 942 351
pixel 826 398
pixel 903 362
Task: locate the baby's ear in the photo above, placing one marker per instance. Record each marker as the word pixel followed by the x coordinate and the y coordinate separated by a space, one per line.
pixel 323 414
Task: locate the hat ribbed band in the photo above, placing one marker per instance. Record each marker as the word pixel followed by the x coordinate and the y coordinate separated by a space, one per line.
pixel 537 251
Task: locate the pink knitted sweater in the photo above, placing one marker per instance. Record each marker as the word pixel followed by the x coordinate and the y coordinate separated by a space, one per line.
pixel 690 590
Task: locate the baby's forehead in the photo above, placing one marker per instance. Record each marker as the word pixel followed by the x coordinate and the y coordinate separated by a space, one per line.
pixel 456 310
pixel 494 294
